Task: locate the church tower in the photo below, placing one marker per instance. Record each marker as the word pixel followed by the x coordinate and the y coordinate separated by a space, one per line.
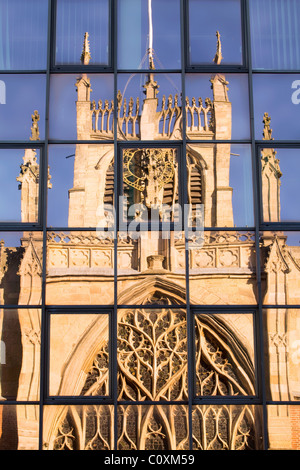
pixel 207 165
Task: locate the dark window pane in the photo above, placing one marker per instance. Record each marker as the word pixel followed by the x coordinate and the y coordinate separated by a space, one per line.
pixel 134 34
pixel 206 18
pixel 22 104
pixel 74 19
pixel 279 96
pixel 275 26
pixel 23 34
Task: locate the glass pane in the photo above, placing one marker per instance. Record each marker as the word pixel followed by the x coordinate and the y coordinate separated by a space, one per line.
pixel 280 262
pixel 274 34
pixel 282 354
pixel 79 355
pixel 217 107
pixel 22 101
pixel 81 107
pixel 74 19
pixel 152 354
pixel 283 427
pixel 79 269
pixel 23 34
pixel 88 427
pixel 20 339
pixel 151 268
pixel 158 428
pixel 82 186
pixel 206 17
pixel 150 183
pixel 283 111
pixel 145 115
pixel 21 261
pixel 19 427
pixel 147 35
pixel 215 427
pixel 19 183
pixel 223 269
pixel 280 189
pixel 224 355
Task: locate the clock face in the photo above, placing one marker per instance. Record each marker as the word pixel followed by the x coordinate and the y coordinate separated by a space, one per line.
pixel 146 167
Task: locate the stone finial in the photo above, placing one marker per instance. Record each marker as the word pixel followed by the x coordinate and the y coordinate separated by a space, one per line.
pixel 35 133
pixel 218 57
pixel 151 87
pixel 151 60
pixel 85 55
pixel 267 132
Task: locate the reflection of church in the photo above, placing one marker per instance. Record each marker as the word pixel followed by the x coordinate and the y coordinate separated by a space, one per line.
pixel 152 344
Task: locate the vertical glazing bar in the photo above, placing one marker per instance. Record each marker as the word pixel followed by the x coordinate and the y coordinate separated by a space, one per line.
pixel 44 181
pixel 189 317
pixel 255 167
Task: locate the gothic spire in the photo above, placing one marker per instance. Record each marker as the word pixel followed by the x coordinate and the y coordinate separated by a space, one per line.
pixel 218 57
pixel 85 55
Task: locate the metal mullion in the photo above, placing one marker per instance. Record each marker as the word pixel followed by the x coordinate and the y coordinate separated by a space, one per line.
pixel 44 183
pixel 114 323
pixel 255 170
